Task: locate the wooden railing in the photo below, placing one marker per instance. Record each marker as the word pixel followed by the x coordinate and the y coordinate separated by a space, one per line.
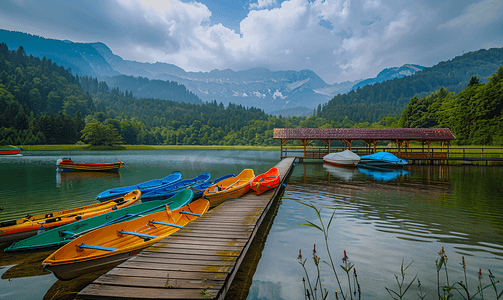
pixel 451 153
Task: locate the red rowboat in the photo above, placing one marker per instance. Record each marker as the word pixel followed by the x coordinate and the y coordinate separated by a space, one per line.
pixel 265 181
pixel 9 150
pixel 67 165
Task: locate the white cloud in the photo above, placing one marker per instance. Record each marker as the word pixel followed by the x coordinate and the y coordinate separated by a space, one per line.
pixel 338 39
pixel 477 14
pixel 262 3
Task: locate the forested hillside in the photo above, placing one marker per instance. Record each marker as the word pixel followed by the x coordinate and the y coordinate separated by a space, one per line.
pixel 374 102
pixel 473 115
pixel 143 87
pixel 42 103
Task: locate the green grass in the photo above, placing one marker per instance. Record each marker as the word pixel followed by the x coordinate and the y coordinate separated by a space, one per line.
pixel 142 147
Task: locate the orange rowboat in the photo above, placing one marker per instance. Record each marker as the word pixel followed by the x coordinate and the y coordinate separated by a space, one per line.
pixel 110 245
pixel 265 181
pixel 28 226
pixel 67 165
pixel 232 187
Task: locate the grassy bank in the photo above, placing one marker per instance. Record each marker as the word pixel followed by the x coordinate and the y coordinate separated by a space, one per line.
pixel 141 147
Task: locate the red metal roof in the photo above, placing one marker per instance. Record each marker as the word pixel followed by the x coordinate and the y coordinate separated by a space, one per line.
pixel 431 134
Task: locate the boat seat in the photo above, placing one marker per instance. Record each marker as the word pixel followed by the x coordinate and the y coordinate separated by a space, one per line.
pixel 166 224
pixel 144 236
pixel 65 232
pixel 190 213
pixel 267 178
pixel 87 246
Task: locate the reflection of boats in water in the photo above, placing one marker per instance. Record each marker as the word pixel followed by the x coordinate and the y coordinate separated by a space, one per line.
pixel 344 173
pixel 383 174
pixel 70 177
pixel 27 264
pixel 25 269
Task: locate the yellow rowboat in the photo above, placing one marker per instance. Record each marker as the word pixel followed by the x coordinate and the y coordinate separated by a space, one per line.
pixel 232 187
pixel 110 245
pixel 28 226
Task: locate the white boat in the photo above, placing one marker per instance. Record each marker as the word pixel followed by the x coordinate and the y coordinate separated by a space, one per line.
pixel 345 158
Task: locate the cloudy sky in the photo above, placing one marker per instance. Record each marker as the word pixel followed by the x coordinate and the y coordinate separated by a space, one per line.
pixel 338 39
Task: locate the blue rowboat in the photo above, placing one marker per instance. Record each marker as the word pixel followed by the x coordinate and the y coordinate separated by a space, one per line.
pixel 168 190
pixel 381 159
pixel 147 185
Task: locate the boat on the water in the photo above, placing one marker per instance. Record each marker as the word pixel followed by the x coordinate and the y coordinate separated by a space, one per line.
pixel 28 226
pixel 67 165
pixel 111 245
pixel 265 181
pixel 167 190
pixel 10 150
pixel 117 192
pixel 199 189
pixel 64 234
pixel 346 158
pixel 382 159
pixel 232 187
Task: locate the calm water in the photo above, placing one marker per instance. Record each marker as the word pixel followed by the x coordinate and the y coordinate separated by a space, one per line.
pixel 380 222
pixel 380 217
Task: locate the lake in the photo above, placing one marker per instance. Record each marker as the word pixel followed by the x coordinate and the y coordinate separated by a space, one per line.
pixel 380 218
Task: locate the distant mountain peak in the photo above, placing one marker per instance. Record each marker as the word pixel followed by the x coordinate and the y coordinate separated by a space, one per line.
pixel 390 73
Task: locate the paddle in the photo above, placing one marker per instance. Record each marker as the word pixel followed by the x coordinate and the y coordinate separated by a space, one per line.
pixel 119 219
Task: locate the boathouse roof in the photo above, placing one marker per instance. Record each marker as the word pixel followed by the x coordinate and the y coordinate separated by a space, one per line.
pixel 403 134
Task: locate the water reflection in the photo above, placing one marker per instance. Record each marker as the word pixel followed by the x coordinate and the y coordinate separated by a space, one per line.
pixel 341 172
pixel 70 178
pixel 383 174
pixel 380 222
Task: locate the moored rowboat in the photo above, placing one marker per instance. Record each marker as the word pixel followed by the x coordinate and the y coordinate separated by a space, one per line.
pixel 29 225
pixel 382 159
pixel 167 190
pixel 9 150
pixel 232 187
pixel 345 158
pixel 67 165
pixel 265 181
pixel 63 234
pixel 117 192
pixel 110 245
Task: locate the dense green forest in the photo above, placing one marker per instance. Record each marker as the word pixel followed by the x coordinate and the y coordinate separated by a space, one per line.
pixel 374 102
pixel 43 103
pixel 473 115
pixel 143 87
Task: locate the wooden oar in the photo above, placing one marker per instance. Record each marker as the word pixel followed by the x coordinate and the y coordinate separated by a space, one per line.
pixel 119 219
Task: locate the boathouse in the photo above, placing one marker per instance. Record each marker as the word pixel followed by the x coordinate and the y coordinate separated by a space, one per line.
pixel 399 136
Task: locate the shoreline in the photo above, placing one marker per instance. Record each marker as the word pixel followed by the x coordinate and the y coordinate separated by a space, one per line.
pixel 144 147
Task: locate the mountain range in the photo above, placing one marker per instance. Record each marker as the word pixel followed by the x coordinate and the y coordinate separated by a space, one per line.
pixel 279 92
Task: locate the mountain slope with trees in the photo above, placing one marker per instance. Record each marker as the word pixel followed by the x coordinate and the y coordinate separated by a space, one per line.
pixel 374 102
pixel 473 115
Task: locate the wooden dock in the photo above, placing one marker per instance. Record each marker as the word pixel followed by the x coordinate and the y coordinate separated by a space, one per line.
pixel 199 261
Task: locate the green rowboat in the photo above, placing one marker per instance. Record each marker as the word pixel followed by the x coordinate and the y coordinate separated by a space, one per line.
pixel 63 234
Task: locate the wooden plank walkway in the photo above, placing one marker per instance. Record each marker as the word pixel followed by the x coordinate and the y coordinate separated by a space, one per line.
pixel 197 262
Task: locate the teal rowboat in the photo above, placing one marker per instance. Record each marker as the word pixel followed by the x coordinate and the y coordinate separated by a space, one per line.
pixel 63 234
